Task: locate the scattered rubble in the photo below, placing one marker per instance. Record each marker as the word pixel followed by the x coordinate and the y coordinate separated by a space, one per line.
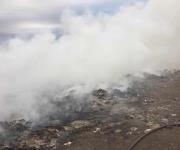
pixel 173 115
pixel 80 124
pixel 97 130
pixel 133 129
pixel 164 121
pixel 118 115
pixel 147 131
pixel 101 93
pixel 118 131
pixel 67 144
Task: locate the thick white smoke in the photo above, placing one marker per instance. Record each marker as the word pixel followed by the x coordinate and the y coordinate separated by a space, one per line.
pixel 94 50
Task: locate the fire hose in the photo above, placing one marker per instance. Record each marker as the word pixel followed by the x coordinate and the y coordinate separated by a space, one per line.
pixel 152 131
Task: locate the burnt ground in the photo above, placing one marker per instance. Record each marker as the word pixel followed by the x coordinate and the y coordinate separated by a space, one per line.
pixel 107 120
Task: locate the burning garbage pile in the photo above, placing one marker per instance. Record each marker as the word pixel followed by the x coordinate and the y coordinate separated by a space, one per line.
pixel 78 74
pixel 113 112
pixel 68 118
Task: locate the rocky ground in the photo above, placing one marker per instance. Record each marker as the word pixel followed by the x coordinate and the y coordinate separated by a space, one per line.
pixel 111 120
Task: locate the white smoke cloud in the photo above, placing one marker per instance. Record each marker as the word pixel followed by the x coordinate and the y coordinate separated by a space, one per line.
pixel 93 50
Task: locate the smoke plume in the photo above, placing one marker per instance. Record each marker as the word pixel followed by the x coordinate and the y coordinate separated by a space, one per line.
pixel 92 51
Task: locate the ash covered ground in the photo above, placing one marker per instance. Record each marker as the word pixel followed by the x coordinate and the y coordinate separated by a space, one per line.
pixel 104 120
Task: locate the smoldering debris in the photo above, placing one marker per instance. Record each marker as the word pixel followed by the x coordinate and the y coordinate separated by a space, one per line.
pixel 69 117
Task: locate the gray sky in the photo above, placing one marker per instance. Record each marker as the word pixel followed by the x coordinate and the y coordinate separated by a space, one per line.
pixel 32 16
pixel 19 16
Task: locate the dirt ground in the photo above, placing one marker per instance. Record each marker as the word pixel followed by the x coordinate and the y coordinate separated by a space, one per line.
pixel 149 104
pixel 161 105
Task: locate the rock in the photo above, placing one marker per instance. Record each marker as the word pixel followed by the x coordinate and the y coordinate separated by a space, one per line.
pixel 68 143
pixel 118 131
pixel 101 93
pixel 68 128
pixel 53 142
pixel 149 124
pixel 97 130
pixel 152 125
pixel 147 131
pixel 173 115
pixel 133 129
pixel 176 99
pixel 140 117
pixel 164 121
pixel 99 104
pixel 129 133
pixel 80 124
pixel 52 130
pixel 16 125
pixel 129 116
pixel 35 143
pixel 148 100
